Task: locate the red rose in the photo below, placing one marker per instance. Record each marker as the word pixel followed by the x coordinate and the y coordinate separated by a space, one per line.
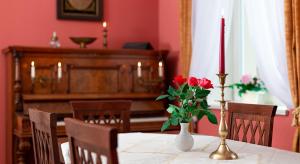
pixel 205 83
pixel 179 80
pixel 192 81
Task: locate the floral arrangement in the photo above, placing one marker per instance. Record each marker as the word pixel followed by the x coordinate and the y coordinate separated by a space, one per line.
pixel 189 96
pixel 248 83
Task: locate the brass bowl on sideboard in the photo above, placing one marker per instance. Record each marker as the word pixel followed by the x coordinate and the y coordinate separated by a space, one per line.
pixel 83 41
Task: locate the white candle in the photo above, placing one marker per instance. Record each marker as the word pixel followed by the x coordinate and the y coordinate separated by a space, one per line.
pixel 54 34
pixel 32 70
pixel 160 69
pixel 139 69
pixel 59 70
pixel 104 24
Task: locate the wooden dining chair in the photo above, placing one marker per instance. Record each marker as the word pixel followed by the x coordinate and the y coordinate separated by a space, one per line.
pixel 114 113
pixel 251 123
pixel 90 142
pixel 43 127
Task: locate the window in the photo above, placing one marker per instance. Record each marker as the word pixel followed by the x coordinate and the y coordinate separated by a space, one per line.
pixel 246 57
pixel 254 36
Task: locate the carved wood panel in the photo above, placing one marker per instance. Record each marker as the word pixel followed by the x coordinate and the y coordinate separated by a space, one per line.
pixel 252 123
pixel 249 129
pixel 93 79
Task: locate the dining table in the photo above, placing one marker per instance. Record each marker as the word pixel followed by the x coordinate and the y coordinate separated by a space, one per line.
pixel 157 148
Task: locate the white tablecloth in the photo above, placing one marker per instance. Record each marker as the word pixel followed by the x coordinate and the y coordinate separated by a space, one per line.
pixel 147 148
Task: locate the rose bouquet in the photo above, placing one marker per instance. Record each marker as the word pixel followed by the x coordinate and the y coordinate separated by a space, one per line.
pixel 189 97
pixel 248 83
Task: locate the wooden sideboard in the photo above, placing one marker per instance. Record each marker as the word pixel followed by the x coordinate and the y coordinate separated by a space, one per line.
pixel 86 74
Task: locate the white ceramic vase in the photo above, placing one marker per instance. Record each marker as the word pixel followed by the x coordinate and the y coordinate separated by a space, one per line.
pixel 184 140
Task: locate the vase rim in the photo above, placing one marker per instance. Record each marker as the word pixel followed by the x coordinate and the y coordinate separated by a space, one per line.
pixel 184 123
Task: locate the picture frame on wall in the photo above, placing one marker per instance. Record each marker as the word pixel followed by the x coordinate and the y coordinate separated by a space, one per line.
pixel 91 10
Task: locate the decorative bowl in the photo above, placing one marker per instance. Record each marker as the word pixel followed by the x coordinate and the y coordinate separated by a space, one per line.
pixel 83 41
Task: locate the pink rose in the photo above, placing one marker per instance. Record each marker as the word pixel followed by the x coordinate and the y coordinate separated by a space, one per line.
pixel 192 81
pixel 205 83
pixel 179 80
pixel 246 79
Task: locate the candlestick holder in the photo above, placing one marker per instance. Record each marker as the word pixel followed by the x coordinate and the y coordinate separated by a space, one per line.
pixel 151 84
pixel 42 81
pixel 223 151
pixel 105 38
pixel 32 85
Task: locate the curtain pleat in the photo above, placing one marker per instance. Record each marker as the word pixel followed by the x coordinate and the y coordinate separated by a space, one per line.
pixel 185 28
pixel 292 29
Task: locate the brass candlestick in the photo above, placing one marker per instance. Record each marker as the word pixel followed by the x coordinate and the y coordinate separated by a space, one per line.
pixel 32 85
pixel 151 84
pixel 223 152
pixel 105 38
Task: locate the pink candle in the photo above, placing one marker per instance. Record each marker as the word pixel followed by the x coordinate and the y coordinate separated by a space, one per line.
pixel 222 48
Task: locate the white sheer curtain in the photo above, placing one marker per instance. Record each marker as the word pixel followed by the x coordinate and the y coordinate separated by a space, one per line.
pixel 206 38
pixel 264 25
pixel 265 22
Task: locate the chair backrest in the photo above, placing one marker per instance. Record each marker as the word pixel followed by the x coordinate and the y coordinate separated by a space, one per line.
pixel 112 113
pixel 251 123
pixel 89 142
pixel 43 127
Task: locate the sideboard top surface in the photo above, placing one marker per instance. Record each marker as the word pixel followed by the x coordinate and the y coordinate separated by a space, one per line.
pixel 48 50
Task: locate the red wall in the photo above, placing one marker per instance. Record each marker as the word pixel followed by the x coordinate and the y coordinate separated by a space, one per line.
pixel 283 132
pixel 169 32
pixel 32 23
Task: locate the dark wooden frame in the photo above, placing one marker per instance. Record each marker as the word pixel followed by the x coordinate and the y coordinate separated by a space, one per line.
pixel 43 127
pixel 100 140
pixel 255 114
pixel 96 110
pixel 61 14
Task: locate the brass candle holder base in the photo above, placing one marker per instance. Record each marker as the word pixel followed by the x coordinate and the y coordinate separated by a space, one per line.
pixel 223 152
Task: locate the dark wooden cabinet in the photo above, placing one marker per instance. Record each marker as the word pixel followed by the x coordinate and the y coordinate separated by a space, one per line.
pixel 87 74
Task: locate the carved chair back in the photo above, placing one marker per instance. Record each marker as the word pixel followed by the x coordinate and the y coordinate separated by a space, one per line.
pixel 113 113
pixel 251 123
pixel 90 144
pixel 43 127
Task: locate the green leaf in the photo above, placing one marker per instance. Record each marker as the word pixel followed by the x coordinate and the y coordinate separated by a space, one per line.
pixel 184 87
pixel 182 112
pixel 201 114
pixel 162 97
pixel 171 98
pixel 183 95
pixel 211 117
pixel 165 125
pixel 204 104
pixel 172 91
pixel 195 112
pixel 231 86
pixel 171 108
pixel 174 106
pixel 185 101
pixel 174 121
pixel 201 93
